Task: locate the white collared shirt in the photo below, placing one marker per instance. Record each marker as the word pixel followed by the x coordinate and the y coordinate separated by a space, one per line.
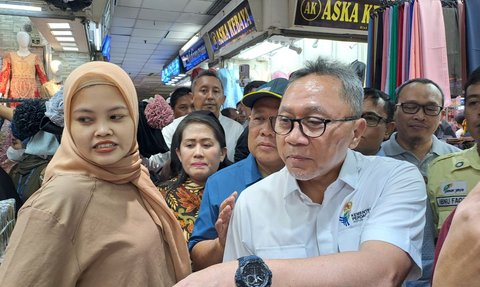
pixel 373 198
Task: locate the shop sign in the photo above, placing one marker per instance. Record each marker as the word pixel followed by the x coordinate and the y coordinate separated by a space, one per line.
pixel 194 55
pixel 345 14
pixel 236 25
pixel 172 70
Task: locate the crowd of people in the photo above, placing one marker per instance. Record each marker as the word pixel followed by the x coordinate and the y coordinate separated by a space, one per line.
pixel 308 181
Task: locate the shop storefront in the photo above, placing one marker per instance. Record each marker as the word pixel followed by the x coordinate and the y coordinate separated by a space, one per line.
pixel 263 40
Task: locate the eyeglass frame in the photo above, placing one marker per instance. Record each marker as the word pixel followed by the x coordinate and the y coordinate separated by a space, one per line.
pixel 418 108
pixel 299 121
pixel 378 118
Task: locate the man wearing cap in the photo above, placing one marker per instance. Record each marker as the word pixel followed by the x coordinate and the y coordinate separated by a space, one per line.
pixel 207 90
pixel 208 237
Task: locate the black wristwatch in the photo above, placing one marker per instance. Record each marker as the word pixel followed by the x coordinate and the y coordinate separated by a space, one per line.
pixel 252 272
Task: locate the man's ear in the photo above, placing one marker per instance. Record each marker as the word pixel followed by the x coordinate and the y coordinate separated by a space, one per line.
pixel 359 129
pixel 390 128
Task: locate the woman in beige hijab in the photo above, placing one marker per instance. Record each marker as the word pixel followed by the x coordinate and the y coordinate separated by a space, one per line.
pixel 97 220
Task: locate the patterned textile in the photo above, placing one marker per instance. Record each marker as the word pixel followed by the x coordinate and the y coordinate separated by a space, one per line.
pixel 185 203
pixel 20 73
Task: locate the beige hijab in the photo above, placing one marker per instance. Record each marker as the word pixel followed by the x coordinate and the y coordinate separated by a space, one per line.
pixel 68 159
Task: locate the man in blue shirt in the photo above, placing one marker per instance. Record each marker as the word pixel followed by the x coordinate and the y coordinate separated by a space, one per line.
pixel 208 238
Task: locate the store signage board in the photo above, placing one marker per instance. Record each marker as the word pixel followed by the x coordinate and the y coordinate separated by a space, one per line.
pixel 345 14
pixel 172 70
pixel 194 55
pixel 233 27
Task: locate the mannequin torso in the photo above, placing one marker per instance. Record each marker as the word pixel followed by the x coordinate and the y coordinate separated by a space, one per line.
pixel 19 71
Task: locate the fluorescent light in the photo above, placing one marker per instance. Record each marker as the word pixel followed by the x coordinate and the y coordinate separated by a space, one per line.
pixel 65 39
pixel 21 7
pixel 190 42
pixel 258 50
pixel 61 33
pixel 59 25
pixel 70 48
pixel 98 39
pixel 68 44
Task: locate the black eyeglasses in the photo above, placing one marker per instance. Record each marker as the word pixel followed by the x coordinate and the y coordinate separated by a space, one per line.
pixel 373 119
pixel 312 127
pixel 413 108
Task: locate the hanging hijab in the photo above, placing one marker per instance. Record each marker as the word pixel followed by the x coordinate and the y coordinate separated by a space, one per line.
pixel 68 159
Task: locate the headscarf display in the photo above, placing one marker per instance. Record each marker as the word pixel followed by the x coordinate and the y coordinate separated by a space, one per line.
pixel 68 159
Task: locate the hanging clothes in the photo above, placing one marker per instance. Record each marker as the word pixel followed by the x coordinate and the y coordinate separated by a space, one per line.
pixel 434 45
pixel 415 62
pixel 452 34
pixel 472 31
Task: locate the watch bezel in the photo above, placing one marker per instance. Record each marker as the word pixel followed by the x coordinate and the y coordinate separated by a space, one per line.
pixel 245 264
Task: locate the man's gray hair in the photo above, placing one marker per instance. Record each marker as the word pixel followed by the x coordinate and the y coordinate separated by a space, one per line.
pixel 351 85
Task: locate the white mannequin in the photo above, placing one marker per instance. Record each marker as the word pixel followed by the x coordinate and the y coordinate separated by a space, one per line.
pixel 56 67
pixel 23 40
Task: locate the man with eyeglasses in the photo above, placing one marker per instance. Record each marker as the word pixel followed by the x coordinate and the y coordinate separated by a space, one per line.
pixel 222 188
pixel 419 103
pixel 378 114
pixel 344 219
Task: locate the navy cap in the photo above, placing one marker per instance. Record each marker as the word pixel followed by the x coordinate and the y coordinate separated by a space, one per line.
pixel 274 88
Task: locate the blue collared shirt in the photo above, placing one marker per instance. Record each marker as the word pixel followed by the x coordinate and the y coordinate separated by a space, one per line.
pixel 219 186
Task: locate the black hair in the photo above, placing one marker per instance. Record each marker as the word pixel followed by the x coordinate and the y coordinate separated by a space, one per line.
pixel 253 85
pixel 207 73
pixel 473 79
pixel 203 117
pixel 177 94
pixel 376 95
pixel 460 118
pixel 421 81
pixel 226 112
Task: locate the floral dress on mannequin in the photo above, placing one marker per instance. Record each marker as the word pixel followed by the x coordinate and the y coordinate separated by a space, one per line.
pixel 20 73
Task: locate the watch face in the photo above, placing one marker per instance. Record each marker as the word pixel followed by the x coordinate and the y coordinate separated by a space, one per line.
pixel 255 274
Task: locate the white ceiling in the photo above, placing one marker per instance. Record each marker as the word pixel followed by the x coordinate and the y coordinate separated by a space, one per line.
pixel 148 34
pixel 145 34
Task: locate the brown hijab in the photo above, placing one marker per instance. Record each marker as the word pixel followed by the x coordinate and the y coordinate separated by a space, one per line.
pixel 68 159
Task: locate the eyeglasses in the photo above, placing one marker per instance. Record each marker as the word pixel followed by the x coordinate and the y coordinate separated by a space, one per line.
pixel 373 119
pixel 312 127
pixel 413 108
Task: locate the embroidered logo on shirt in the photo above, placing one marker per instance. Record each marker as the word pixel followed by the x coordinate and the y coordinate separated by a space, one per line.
pixel 359 216
pixel 346 213
pixel 453 187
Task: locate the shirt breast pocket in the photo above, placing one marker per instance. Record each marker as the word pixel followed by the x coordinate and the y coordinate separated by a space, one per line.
pixel 282 252
pixel 349 239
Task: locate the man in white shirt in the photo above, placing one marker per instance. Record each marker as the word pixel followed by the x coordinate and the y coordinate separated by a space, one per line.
pixel 207 90
pixel 342 219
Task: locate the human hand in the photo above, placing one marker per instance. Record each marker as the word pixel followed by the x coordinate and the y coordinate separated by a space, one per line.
pixel 219 275
pixel 226 209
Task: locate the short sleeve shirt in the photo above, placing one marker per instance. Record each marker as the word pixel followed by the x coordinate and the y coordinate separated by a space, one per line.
pixel 274 219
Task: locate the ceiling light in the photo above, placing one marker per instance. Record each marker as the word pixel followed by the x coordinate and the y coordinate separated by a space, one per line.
pixel 189 44
pixel 98 39
pixel 59 25
pixel 65 39
pixel 258 50
pixel 21 7
pixel 70 49
pixel 61 33
pixel 68 44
